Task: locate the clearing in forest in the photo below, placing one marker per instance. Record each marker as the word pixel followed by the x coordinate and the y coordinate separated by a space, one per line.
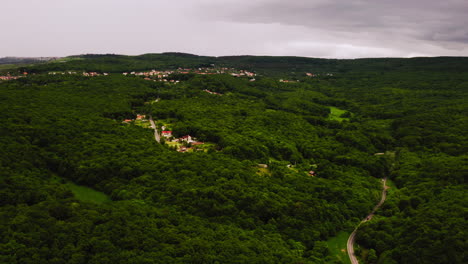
pixel 86 194
pixel 337 246
pixel 335 114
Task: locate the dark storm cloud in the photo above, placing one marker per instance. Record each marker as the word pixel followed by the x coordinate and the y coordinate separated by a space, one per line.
pixel 443 23
pixel 426 18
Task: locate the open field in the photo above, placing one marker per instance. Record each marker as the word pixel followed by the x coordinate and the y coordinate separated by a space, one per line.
pixel 337 246
pixel 87 194
pixel 335 114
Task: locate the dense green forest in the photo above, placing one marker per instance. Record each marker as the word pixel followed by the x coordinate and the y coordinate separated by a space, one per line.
pixel 284 166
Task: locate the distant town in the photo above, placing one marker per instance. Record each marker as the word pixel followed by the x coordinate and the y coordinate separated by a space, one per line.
pixel 166 75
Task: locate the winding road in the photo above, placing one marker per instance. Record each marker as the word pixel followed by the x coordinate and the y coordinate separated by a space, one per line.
pixel 351 239
pixel 153 126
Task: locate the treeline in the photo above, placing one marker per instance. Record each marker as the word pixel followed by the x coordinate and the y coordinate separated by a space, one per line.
pixel 264 65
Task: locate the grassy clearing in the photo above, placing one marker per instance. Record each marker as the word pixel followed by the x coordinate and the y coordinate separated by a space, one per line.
pixel 173 144
pixel 87 194
pixel 143 124
pixel 207 146
pixel 263 172
pixel 337 247
pixel 335 114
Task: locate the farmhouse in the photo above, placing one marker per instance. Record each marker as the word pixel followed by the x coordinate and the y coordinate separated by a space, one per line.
pixel 167 134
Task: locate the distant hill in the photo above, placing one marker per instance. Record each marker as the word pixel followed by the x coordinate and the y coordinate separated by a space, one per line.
pixel 25 60
pixel 267 65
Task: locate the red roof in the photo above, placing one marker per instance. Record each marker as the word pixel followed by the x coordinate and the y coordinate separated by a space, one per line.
pixel 167 132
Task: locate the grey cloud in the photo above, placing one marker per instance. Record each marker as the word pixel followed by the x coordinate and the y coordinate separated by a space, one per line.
pixel 419 19
pixel 313 28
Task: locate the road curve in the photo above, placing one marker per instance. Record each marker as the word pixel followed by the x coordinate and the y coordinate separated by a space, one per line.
pixel 350 248
pixel 352 237
pixel 157 137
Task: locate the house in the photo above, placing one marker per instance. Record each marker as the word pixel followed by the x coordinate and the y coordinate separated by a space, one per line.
pixel 167 134
pixel 312 173
pixel 184 149
pixel 263 166
pixel 187 139
pixel 210 92
pixel 140 117
pixel 127 121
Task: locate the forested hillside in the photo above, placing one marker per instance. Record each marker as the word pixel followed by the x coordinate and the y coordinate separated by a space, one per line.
pixel 274 170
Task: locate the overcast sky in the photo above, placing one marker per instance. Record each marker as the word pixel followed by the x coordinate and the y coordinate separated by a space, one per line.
pixel 312 28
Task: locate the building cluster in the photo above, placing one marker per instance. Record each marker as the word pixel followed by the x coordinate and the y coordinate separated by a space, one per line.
pixel 211 71
pixel 210 92
pixel 316 75
pixel 158 74
pixel 164 76
pixel 10 77
pixel 288 81
pixel 242 73
pixel 153 75
pixel 88 74
pixel 187 142
pixel 62 73
pixel 94 74
pixel 138 117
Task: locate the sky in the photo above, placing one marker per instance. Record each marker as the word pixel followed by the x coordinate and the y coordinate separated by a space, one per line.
pixel 309 28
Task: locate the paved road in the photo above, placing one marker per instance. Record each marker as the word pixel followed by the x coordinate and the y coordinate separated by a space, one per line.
pixel 352 237
pixel 350 247
pixel 156 133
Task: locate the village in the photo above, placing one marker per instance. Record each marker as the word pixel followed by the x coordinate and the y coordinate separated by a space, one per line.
pixel 9 77
pixel 164 76
pixel 185 143
pixel 188 143
pixel 87 74
pixel 309 74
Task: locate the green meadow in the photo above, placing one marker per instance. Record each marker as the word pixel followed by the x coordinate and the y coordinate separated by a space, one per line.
pixel 87 194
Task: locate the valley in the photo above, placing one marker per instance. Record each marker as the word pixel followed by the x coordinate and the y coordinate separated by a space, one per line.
pixel 212 167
